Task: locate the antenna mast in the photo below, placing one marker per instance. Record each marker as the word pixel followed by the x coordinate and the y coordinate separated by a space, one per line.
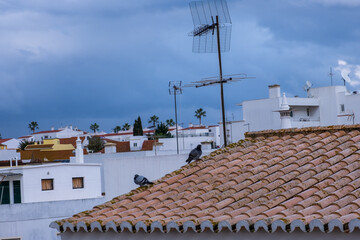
pixel 203 14
pixel 331 74
pixel 175 87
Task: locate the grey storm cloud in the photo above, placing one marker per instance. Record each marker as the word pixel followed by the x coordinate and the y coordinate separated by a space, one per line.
pixel 77 62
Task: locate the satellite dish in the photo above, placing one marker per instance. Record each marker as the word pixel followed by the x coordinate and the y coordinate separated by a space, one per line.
pixel 307 86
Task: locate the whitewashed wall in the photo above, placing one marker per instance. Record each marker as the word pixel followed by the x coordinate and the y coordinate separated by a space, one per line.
pixel 30 221
pixel 118 169
pixel 185 143
pixel 9 154
pixel 62 175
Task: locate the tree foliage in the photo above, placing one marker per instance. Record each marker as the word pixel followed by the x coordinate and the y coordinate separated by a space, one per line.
pixel 33 126
pixel 96 144
pixel 24 143
pixel 199 113
pixel 162 130
pixel 117 129
pixel 94 127
pixel 125 127
pixel 138 129
pixel 153 119
pixel 170 122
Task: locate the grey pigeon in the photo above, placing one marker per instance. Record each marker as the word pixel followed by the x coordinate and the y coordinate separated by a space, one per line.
pixel 141 180
pixel 194 154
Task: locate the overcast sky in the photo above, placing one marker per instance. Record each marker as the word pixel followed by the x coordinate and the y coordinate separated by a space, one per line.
pixel 78 62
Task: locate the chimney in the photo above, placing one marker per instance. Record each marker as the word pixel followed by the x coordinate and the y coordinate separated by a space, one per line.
pixel 79 152
pixel 285 113
pixel 52 128
pixel 274 91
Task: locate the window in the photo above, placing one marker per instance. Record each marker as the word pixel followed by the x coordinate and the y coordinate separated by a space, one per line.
pixel 308 112
pixel 342 108
pixel 135 144
pixel 47 184
pixel 17 191
pixel 11 239
pixel 4 193
pixel 78 182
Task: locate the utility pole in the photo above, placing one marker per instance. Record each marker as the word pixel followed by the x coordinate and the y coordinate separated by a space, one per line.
pixel 174 88
pixel 331 74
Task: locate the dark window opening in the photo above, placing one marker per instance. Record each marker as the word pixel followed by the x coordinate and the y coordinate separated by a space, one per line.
pixel 4 193
pixel 17 191
pixel 47 184
pixel 78 182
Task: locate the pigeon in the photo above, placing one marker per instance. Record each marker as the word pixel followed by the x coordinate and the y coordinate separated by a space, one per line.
pixel 141 180
pixel 194 154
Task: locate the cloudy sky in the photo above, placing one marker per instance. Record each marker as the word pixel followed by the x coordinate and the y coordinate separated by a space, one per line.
pixel 75 62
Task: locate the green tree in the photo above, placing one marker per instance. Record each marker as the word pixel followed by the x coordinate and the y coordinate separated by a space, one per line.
pixel 33 126
pixel 153 119
pixel 94 127
pixel 138 130
pixel 96 144
pixel 24 143
pixel 199 114
pixel 117 129
pixel 162 130
pixel 170 122
pixel 126 127
pixel 0 136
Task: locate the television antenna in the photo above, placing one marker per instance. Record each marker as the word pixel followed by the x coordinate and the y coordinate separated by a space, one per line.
pixel 209 16
pixel 331 74
pixel 175 88
pixel 307 86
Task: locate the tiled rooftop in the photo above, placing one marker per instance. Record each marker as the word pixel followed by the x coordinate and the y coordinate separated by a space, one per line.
pixel 49 131
pixel 298 178
pixel 4 140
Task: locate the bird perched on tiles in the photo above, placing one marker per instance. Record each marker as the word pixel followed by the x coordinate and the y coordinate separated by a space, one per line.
pixel 141 180
pixel 194 154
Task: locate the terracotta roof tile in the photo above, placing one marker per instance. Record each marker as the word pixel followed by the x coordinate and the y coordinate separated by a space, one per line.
pixel 49 131
pixel 286 175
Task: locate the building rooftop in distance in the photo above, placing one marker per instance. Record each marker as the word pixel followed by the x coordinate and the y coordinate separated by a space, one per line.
pixel 286 179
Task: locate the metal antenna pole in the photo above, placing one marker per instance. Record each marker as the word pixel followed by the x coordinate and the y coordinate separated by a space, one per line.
pixel 331 75
pixel 221 80
pixel 175 87
pixel 176 123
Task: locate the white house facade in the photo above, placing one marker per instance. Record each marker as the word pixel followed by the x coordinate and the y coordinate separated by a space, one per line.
pixel 32 196
pixel 323 106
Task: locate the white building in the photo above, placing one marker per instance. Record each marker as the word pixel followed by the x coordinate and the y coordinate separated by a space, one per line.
pixel 323 106
pixel 8 149
pixel 66 132
pixel 10 143
pixel 31 196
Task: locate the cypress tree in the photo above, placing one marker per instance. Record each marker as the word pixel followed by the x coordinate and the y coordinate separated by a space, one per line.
pixel 138 130
pixel 135 129
pixel 140 127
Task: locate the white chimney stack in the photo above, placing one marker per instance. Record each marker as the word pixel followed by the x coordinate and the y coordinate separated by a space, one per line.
pixel 285 113
pixel 79 152
pixel 274 91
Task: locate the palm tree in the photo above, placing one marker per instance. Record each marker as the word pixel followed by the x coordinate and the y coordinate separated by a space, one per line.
pixel 117 129
pixel 94 127
pixel 154 119
pixel 126 127
pixel 199 114
pixel 33 125
pixel 170 122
